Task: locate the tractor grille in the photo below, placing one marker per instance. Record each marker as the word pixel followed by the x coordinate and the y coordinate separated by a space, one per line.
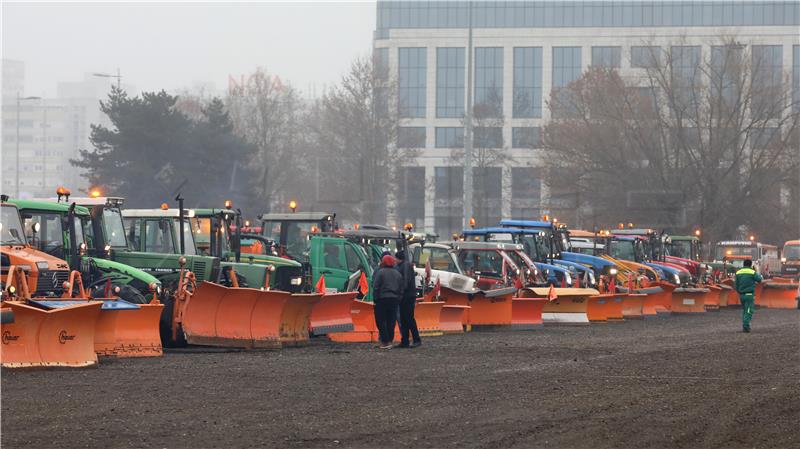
pixel 199 269
pixel 51 283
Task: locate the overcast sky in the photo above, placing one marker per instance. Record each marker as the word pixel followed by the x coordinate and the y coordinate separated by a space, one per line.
pixel 177 46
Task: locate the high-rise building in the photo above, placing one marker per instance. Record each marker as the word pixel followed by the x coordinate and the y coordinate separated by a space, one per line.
pixel 523 52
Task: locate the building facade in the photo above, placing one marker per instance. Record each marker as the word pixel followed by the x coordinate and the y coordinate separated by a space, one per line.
pixel 523 51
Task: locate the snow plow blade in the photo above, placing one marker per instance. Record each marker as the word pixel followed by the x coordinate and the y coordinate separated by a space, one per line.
pixel 569 307
pixel 633 306
pixel 62 337
pixel 487 308
pixel 296 317
pixel 526 313
pixel 125 331
pixel 332 313
pixel 725 295
pixel 780 295
pixel 245 317
pixel 654 298
pixel 6 315
pixel 712 301
pixel 689 300
pixel 604 307
pixel 428 316
pixel 364 328
pixel 452 318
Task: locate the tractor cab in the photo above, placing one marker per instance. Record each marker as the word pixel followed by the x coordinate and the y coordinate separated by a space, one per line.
pixel 292 231
pixel 159 231
pixel 686 247
pixel 378 241
pixel 489 263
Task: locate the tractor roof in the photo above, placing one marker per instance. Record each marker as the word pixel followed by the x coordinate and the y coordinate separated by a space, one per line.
pixel 526 223
pixel 157 213
pixel 298 216
pixel 98 201
pixel 48 206
pixel 488 246
pixel 374 234
pixel 684 237
pixel 212 212
pixel 492 230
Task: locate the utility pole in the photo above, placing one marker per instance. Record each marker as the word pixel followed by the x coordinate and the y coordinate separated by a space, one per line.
pixel 19 100
pixel 468 126
pixel 44 148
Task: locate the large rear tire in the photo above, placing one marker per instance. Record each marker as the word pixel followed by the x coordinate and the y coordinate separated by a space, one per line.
pixel 165 325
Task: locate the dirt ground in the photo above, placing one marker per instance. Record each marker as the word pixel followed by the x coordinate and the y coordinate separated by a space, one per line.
pixel 682 381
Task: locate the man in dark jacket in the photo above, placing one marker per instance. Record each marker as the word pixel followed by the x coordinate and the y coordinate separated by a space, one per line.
pixel 745 284
pixel 408 325
pixel 387 290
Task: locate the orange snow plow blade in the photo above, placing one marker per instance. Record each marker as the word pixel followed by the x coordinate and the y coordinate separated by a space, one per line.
pixel 364 328
pixel 688 300
pixel 604 307
pixel 780 295
pixel 526 313
pixel 725 295
pixel 452 318
pixel 712 301
pixel 569 307
pixel 296 317
pixel 633 306
pixel 332 313
pixel 428 316
pixel 129 332
pixel 486 308
pixel 245 317
pixel 652 300
pixel 61 337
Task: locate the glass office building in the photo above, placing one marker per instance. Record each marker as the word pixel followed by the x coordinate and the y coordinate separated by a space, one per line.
pixel 524 52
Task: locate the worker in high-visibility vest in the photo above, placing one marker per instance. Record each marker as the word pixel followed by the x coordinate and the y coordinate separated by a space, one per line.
pixel 745 283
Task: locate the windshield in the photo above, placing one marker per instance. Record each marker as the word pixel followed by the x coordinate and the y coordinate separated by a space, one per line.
pixel 439 258
pixel 271 230
pixel 735 251
pixel 681 248
pixel 114 229
pixel 791 252
pixel 297 239
pixel 536 245
pixel 481 262
pixel 627 250
pixel 11 232
pixel 188 237
pixel 50 238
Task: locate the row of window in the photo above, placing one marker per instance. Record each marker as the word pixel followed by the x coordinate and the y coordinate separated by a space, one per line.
pixel 527 101
pixel 453 137
pixel 547 14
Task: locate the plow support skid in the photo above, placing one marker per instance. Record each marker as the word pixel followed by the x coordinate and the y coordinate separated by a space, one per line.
pixel 296 317
pixel 689 300
pixel 332 313
pixel 526 313
pixel 633 306
pixel 780 295
pixel 605 307
pixel 130 332
pixel 428 317
pixel 569 307
pixel 62 337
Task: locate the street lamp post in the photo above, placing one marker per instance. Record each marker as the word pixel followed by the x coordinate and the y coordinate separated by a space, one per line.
pixel 19 100
pixel 118 76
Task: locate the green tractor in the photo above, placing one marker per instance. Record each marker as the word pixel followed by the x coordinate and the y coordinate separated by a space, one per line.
pixel 217 233
pixel 58 229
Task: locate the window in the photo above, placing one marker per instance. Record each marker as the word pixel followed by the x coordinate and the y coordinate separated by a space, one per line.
pixel 796 78
pixel 158 237
pixel 527 137
pixel 412 82
pixel 448 210
pixel 489 82
pixel 608 57
pixel 411 195
pixel 645 57
pixel 686 79
pixel 487 191
pixel 767 74
pixel 526 185
pixel 527 97
pixel 439 258
pixel 449 183
pixel 450 82
pixel 488 137
pixel 566 69
pixel 353 261
pixel 333 257
pixel 450 137
pixel 765 138
pixel 411 137
pixel 725 76
pixel 381 69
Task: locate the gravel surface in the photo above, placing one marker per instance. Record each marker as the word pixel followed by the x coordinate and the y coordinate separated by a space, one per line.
pixel 680 381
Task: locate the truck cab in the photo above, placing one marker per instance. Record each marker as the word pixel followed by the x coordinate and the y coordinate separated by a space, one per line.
pixel 291 231
pixel 731 254
pixel 790 259
pixel 339 261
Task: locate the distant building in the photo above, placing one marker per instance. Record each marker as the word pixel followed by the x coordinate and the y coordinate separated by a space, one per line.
pixel 523 50
pixel 51 132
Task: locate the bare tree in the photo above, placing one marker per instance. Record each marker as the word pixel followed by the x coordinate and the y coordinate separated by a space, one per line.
pixel 691 140
pixel 268 114
pixel 354 131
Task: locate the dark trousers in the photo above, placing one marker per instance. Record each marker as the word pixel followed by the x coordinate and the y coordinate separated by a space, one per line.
pixel 408 324
pixel 386 318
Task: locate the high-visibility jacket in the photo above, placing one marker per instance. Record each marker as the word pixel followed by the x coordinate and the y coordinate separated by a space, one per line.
pixel 745 281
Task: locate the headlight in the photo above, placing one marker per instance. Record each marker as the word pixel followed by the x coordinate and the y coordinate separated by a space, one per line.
pixel 677 278
pixel 296 281
pixel 591 277
pixel 612 271
pixel 42 265
pixel 783 260
pixel 568 278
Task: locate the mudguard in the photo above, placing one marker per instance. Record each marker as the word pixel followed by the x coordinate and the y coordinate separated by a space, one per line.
pixel 61 337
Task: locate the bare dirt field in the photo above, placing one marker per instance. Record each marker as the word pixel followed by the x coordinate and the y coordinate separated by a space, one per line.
pixel 681 381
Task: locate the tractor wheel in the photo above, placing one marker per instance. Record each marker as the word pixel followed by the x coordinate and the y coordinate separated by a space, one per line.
pixel 165 325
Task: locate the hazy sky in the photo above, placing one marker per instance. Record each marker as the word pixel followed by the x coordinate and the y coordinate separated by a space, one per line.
pixel 180 45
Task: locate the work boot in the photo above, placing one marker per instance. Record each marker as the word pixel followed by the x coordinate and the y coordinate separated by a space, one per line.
pixel 402 345
pixel 416 344
pixel 387 346
pixel 746 330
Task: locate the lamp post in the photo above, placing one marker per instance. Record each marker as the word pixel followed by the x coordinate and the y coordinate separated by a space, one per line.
pixel 19 100
pixel 118 76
